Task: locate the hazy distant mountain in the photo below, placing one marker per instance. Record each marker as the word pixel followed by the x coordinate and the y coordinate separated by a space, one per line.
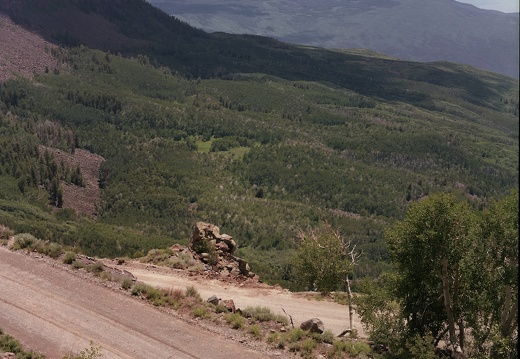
pixel 419 30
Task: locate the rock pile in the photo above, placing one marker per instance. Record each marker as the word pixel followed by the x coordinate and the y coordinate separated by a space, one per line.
pixel 216 251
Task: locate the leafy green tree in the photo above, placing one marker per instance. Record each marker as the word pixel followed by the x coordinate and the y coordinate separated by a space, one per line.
pixel 456 273
pixel 432 249
pixel 497 279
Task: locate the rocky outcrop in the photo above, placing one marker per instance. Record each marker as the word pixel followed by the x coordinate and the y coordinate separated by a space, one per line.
pixel 206 236
pixel 216 251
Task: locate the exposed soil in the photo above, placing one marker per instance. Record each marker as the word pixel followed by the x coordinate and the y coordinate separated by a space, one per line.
pixel 22 52
pixel 81 199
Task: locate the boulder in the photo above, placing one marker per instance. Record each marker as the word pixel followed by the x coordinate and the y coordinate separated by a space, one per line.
pixel 7 356
pixel 313 325
pixel 213 300
pixel 229 304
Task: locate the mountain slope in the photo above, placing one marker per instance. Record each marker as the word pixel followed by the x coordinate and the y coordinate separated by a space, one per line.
pixel 425 30
pixel 133 27
pixel 270 139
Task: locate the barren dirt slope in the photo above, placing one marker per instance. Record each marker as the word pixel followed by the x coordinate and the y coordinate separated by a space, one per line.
pixel 22 52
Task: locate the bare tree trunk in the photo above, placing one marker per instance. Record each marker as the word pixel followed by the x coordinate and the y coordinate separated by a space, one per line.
pixel 508 313
pixel 462 335
pixel 350 308
pixel 447 301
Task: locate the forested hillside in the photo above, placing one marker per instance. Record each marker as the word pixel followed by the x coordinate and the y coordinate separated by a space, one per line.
pixel 255 136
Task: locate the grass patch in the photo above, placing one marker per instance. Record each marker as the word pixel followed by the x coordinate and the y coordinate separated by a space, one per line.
pixel 353 349
pixel 157 256
pixel 255 330
pixel 191 291
pixel 126 284
pixel 200 312
pixel 156 296
pixel 264 314
pixel 235 320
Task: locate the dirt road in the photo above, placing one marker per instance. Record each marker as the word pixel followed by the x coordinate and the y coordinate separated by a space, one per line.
pixel 334 316
pixel 56 312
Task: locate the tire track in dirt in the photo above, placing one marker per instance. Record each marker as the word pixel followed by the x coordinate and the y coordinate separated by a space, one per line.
pixel 79 312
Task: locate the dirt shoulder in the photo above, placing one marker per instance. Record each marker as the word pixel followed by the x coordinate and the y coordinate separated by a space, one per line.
pixel 301 306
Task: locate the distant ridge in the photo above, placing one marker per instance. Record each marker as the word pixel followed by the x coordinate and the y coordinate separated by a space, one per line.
pixel 417 30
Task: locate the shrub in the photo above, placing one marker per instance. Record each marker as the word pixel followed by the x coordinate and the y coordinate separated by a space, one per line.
pixel 107 276
pixel 197 267
pixel 66 214
pixel 23 240
pixel 273 337
pixel 282 319
pixel 69 257
pixel 96 267
pixel 183 261
pixel 53 250
pixel 357 348
pixel 235 320
pixel 294 347
pixel 5 233
pixel 10 344
pixel 220 308
pixel 78 264
pixel 157 256
pixel 338 350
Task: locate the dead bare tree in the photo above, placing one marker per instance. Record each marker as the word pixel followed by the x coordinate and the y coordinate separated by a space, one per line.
pixel 353 256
